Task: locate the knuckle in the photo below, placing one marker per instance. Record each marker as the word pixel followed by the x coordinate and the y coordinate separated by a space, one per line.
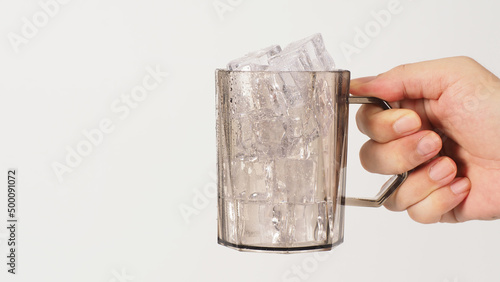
pixel 421 217
pixel 401 68
pixel 466 59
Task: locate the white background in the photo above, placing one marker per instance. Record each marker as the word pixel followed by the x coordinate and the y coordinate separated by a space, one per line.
pixel 117 215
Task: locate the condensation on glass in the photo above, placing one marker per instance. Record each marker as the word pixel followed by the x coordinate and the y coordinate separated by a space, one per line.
pixel 281 159
pixel 282 141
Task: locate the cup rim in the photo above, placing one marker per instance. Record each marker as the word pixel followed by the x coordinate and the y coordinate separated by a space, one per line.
pixel 276 72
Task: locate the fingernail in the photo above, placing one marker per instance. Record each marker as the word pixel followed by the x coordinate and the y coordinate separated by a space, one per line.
pixel 406 124
pixel 441 169
pixel 460 186
pixel 428 144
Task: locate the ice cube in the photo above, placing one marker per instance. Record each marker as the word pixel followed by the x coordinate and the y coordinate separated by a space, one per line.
pixel 309 222
pixel 252 180
pixel 243 145
pixel 268 98
pixel 254 61
pixel 279 216
pixel 308 54
pixel 270 132
pixel 323 104
pixel 229 207
pixel 297 179
pixel 301 122
pixel 262 223
pixel 299 148
pixel 256 92
pixel 284 84
pixel 301 132
pixel 250 216
pixel 276 157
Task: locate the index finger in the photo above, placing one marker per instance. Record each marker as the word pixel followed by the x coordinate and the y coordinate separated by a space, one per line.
pixel 427 79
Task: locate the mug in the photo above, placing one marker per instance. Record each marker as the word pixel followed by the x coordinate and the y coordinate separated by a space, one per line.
pixel 281 159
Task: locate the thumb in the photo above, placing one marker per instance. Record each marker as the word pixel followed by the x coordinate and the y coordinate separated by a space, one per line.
pixel 427 79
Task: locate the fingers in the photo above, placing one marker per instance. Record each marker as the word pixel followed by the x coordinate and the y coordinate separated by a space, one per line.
pixel 439 205
pixel 431 192
pixel 384 126
pixel 415 81
pixel 421 183
pixel 399 139
pixel 400 155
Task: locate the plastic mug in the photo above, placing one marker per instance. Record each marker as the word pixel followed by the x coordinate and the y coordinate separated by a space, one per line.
pixel 281 159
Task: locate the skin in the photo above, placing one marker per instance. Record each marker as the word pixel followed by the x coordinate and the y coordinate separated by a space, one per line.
pixel 446 126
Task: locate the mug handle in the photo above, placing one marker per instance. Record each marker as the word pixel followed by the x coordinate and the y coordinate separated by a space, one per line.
pixel 392 184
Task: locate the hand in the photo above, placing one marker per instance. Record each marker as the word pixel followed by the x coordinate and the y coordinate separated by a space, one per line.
pixel 446 125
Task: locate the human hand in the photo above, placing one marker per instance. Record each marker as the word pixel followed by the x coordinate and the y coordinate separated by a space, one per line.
pixel 446 125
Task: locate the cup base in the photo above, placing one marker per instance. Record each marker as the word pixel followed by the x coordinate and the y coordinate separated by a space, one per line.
pixel 278 250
